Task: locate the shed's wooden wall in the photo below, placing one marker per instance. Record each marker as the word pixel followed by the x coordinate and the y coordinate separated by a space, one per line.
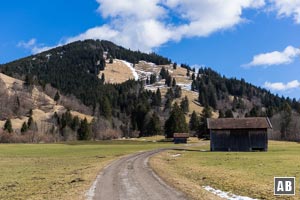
pixel 239 140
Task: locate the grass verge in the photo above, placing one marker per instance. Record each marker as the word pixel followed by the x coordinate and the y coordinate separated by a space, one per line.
pixel 243 173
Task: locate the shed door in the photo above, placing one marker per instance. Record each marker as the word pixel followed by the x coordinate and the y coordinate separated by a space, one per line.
pixel 239 140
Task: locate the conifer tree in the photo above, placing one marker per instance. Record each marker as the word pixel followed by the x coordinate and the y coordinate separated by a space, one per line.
pixel 30 122
pixel 184 105
pixel 206 113
pixel 177 91
pixel 188 72
pixel 103 77
pixel 8 126
pixel 153 126
pixel 163 73
pixel 174 82
pixel 106 108
pixel 56 97
pixel 170 94
pixel 168 104
pixel 193 86
pixel 75 123
pixel 24 128
pixel 30 112
pixel 168 81
pixel 174 65
pixel 152 78
pixel 28 80
pixel 193 76
pixel 194 122
pixel 156 100
pixel 84 131
pixel 286 118
pixel 176 122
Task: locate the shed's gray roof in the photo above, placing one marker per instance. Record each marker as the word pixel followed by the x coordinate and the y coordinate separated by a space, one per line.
pixel 239 123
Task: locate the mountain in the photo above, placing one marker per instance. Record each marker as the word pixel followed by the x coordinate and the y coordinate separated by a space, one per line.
pixel 119 88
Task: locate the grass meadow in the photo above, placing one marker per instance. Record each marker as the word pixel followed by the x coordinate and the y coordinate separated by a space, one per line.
pixel 59 171
pixel 242 173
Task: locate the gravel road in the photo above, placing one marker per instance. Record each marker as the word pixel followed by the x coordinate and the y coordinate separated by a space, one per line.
pixel 131 178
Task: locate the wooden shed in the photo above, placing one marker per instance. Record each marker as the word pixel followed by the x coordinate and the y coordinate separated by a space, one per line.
pixel 239 134
pixel 180 138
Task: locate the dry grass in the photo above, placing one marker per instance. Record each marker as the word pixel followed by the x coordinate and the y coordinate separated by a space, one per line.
pixel 9 81
pixel 16 123
pixel 180 75
pixel 117 72
pixel 194 104
pixel 171 176
pixel 243 173
pixel 59 171
pixel 44 104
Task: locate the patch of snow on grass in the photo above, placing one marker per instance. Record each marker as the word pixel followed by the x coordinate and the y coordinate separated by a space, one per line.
pixel 185 86
pixel 176 155
pixel 144 72
pixel 149 63
pixel 136 76
pixel 226 195
pixel 154 87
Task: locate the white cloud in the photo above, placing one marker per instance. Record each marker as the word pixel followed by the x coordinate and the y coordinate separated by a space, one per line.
pixel 279 86
pixel 205 17
pixel 28 44
pixel 41 48
pixel 148 24
pixel 34 47
pixel 275 58
pixel 287 8
pixel 141 9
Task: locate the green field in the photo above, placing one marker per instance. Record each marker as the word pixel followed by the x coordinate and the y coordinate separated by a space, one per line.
pixel 59 171
pixel 248 174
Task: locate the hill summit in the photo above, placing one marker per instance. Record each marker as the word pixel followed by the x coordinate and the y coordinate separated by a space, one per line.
pixel 127 93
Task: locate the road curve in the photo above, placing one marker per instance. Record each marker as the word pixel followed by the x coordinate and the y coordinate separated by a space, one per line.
pixel 131 178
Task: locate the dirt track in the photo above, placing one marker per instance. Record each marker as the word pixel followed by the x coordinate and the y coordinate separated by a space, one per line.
pixel 131 178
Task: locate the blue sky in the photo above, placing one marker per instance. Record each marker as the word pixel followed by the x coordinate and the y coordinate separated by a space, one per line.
pixel 258 40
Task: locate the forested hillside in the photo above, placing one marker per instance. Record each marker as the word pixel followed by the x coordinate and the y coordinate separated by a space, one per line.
pixel 128 109
pixel 73 68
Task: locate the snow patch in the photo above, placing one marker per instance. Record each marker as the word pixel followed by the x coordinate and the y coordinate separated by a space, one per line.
pixel 226 195
pixel 48 56
pixel 136 76
pixel 185 86
pixel 149 63
pixel 144 72
pixel 176 155
pixel 154 87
